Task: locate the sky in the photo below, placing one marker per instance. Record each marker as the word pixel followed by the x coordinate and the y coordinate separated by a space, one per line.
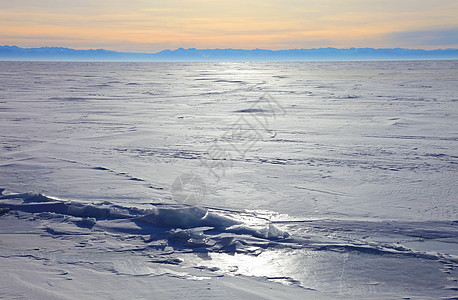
pixel 155 25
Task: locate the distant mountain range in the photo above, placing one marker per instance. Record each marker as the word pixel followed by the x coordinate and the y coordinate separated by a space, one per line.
pixel 192 54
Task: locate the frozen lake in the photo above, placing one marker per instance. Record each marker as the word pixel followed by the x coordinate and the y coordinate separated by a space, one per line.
pixel 335 179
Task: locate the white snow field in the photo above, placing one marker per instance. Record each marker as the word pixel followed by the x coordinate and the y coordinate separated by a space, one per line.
pixel 310 180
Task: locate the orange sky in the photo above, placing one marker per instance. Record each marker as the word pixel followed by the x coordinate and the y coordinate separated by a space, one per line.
pixel 151 26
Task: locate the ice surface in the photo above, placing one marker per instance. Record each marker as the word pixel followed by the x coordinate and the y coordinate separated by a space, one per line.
pixel 339 182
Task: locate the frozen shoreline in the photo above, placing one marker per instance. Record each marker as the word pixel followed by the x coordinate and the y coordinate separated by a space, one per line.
pixel 196 244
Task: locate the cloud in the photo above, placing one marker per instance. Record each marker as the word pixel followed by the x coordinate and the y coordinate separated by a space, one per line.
pixel 150 25
pixel 424 38
pixel 40 37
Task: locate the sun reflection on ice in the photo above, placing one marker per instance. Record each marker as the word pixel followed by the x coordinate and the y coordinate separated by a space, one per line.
pixel 276 265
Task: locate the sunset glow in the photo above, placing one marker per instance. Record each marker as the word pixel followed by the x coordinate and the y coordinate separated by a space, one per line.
pixel 150 26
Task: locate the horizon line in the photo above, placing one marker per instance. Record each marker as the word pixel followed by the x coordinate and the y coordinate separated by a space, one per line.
pixel 242 49
pixel 52 53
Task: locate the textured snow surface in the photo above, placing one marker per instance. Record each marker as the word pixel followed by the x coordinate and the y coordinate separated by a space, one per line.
pixel 219 180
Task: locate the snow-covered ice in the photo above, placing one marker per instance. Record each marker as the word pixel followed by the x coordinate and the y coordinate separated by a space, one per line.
pixel 242 180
